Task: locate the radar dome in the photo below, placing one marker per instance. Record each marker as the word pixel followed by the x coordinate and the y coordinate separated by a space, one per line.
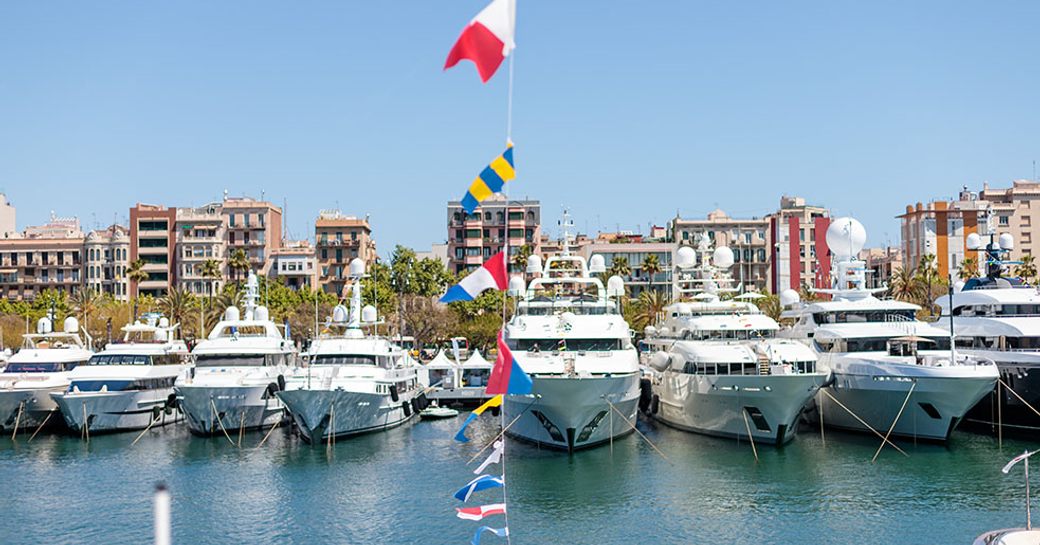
pixel 261 314
pixel 159 335
pixel 615 286
pixel 846 237
pixel 517 286
pixel 789 297
pixel 43 325
pixel 534 264
pixel 339 313
pixel 164 322
pixel 685 257
pixel 649 331
pixel 368 314
pixel 660 360
pixel 232 314
pixel 973 242
pixel 597 264
pixel 357 267
pixel 722 257
pixel 71 324
pixel 1006 242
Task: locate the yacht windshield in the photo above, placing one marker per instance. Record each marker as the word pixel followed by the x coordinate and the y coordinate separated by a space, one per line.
pixel 863 316
pixel 120 359
pixel 579 345
pixel 39 367
pixel 238 360
pixel 880 344
pixel 730 334
pixel 581 310
pixel 344 359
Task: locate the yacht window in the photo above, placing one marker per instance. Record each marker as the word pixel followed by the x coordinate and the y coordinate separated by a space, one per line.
pixel 39 367
pixel 229 360
pixel 120 359
pixel 880 344
pixel 1023 343
pixel 344 359
pixel 863 316
pixel 572 345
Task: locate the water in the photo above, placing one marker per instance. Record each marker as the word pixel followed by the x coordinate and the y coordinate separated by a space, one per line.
pixel 396 486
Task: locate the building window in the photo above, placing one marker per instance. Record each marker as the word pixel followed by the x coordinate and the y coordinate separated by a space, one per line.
pixel 1003 220
pixel 516 216
pixel 153 225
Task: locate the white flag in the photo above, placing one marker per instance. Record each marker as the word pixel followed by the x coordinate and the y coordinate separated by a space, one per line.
pixel 493 458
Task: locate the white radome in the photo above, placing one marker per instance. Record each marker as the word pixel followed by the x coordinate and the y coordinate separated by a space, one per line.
pixel 597 264
pixel 685 257
pixel 722 257
pixel 846 237
pixel 1006 242
pixel 973 242
pixel 789 297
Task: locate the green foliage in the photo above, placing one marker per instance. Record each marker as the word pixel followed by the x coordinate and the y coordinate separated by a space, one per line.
pixel 1027 269
pixel 770 306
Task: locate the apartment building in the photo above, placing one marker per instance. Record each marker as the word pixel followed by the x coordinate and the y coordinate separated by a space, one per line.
pixel 634 254
pixel 798 240
pixel 338 240
pixel 201 237
pixel 1014 208
pixel 295 265
pixel 747 237
pixel 881 263
pixel 473 238
pixel 43 257
pixel 107 259
pixel 254 227
pixel 153 241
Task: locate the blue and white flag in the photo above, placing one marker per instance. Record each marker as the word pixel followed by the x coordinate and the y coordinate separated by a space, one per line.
pixel 500 532
pixel 482 482
pixel 496 457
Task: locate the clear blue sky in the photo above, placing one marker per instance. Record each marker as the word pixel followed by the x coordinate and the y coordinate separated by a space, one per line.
pixel 624 111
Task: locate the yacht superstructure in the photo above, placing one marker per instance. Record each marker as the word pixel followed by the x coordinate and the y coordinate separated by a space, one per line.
pixel 353 383
pixel 128 385
pixel 890 369
pixel 568 335
pixel 997 317
pixel 237 371
pixel 717 366
pixel 41 367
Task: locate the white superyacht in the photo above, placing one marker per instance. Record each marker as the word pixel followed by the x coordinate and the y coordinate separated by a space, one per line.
pixel 353 383
pixel 237 371
pixel 568 335
pixel 718 368
pixel 890 369
pixel 41 366
pixel 127 386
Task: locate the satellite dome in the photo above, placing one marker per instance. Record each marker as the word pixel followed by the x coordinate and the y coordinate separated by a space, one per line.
pixel 232 314
pixel 615 286
pixel 534 264
pixel 649 331
pixel 685 257
pixel 789 297
pixel 973 242
pixel 43 325
pixel 660 360
pixel 597 264
pixel 846 237
pixel 339 314
pixel 722 257
pixel 1006 242
pixel 517 286
pixel 357 267
pixel 71 324
pixel 261 314
pixel 368 314
pixel 164 322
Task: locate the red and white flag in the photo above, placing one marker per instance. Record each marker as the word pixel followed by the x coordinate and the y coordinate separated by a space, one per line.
pixel 478 513
pixel 488 39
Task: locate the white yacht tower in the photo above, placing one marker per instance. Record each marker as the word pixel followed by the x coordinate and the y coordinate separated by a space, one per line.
pixel 717 366
pixel 237 371
pixel 353 383
pixel 128 385
pixel 569 336
pixel 881 355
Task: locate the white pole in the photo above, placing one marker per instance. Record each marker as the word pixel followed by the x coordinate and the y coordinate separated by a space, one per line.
pixel 162 515
pixel 1029 520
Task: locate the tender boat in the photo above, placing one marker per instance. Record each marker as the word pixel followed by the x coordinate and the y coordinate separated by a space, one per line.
pixel 716 366
pixel 878 350
pixel 569 336
pixel 41 367
pixel 997 317
pixel 434 412
pixel 353 383
pixel 237 371
pixel 129 384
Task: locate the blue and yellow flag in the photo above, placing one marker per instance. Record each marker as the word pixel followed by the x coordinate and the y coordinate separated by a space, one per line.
pixel 493 402
pixel 490 181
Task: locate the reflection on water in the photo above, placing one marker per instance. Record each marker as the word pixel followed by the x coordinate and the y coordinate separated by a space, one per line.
pixel 396 487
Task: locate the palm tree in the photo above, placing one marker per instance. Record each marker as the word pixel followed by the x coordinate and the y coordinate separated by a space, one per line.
pixel 928 274
pixel 176 304
pixel 969 268
pixel 770 306
pixel 210 270
pixel 651 266
pixel 87 302
pixel 648 309
pixel 239 263
pixel 904 285
pixel 520 257
pixel 136 274
pixel 619 267
pixel 1027 269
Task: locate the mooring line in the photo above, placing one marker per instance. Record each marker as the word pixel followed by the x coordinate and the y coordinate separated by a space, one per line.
pixel 860 420
pixel 894 422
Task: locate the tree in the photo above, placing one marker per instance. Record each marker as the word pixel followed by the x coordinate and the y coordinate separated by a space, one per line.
pixel 1027 269
pixel 651 266
pixel 87 303
pixel 210 270
pixel 904 285
pixel 177 305
pixel 520 257
pixel 969 268
pixel 619 267
pixel 770 306
pixel 928 276
pixel 238 262
pixel 647 310
pixel 136 274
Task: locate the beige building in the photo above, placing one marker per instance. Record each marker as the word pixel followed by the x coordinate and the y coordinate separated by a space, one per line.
pixel 8 224
pixel 473 238
pixel 201 237
pixel 254 227
pixel 1014 209
pixel 747 237
pixel 295 265
pixel 338 240
pixel 881 263
pixel 107 258
pixel 48 256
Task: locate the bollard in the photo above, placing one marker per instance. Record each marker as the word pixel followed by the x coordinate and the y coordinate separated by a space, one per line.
pixel 162 515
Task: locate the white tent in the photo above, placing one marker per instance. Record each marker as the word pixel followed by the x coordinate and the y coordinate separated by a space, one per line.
pixel 476 361
pixel 440 361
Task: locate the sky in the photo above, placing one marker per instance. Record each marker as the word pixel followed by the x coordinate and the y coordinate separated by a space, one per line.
pixel 626 113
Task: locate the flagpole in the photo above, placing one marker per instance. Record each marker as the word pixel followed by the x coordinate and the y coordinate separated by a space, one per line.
pixel 505 294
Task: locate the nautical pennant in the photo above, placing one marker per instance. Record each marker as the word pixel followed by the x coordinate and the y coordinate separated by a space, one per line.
pixel 482 482
pixel 500 532
pixel 493 402
pixel 487 40
pixel 478 513
pixel 493 458
pixel 506 376
pixel 490 181
pixel 490 275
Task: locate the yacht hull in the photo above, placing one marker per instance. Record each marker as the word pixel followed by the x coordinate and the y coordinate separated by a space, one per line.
pixel 323 414
pixel 572 413
pixel 108 412
pixel 36 405
pixel 731 405
pixel 212 410
pixel 934 409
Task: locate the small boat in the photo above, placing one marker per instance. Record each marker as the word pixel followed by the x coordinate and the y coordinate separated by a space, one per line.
pixel 437 413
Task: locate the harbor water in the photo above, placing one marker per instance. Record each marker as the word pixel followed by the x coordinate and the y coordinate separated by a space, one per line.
pixel 396 487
